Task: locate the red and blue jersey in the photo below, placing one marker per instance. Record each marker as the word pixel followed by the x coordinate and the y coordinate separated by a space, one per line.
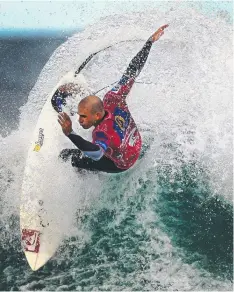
pixel 117 134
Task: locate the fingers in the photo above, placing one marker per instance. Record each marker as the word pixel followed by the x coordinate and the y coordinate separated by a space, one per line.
pixel 161 29
pixel 159 32
pixel 66 115
pixel 65 122
pixel 63 118
pixel 61 121
pixel 164 26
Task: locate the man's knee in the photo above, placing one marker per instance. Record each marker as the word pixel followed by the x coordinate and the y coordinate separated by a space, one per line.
pixel 65 154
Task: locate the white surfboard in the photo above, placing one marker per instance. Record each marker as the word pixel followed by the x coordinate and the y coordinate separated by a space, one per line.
pixel 39 223
pixel 40 231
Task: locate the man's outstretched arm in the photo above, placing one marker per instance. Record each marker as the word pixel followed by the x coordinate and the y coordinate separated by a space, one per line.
pixel 138 62
pixel 136 65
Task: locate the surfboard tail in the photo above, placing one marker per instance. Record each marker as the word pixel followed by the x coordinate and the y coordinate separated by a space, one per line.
pixel 38 247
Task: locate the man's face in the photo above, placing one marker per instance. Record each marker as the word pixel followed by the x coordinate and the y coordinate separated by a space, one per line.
pixel 86 118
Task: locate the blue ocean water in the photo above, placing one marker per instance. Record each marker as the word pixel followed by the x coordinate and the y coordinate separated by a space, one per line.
pixel 23 56
pixel 174 232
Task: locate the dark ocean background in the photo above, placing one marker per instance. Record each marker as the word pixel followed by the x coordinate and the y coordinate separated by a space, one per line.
pixel 23 55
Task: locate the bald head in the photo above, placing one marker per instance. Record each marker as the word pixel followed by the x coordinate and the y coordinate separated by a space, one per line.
pixel 91 111
pixel 93 103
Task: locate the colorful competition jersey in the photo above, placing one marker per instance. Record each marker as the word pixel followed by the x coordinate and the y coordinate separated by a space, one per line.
pixel 117 134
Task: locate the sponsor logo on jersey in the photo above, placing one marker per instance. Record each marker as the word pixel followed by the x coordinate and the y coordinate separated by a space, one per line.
pixel 40 140
pixel 31 240
pixel 132 138
pixel 101 136
pixel 102 144
pixel 121 121
pixel 101 140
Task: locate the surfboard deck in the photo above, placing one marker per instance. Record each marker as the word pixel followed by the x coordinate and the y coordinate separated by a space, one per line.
pixel 40 232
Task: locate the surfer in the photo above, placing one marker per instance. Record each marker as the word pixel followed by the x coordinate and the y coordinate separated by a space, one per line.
pixel 116 141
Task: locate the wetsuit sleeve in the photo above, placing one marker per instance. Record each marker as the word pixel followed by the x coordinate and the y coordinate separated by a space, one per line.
pixel 134 68
pixel 138 62
pixel 89 149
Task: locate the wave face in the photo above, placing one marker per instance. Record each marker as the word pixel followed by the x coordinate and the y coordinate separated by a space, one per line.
pixel 166 224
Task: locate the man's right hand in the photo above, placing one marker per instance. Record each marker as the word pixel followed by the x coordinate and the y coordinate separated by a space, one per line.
pixel 65 122
pixel 156 36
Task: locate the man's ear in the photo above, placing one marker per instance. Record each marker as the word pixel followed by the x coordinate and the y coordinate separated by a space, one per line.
pixel 98 116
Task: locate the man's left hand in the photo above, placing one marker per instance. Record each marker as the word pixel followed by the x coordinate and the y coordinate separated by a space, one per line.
pixel 65 122
pixel 156 36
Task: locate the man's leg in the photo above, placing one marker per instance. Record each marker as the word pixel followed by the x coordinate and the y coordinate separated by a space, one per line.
pixel 82 162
